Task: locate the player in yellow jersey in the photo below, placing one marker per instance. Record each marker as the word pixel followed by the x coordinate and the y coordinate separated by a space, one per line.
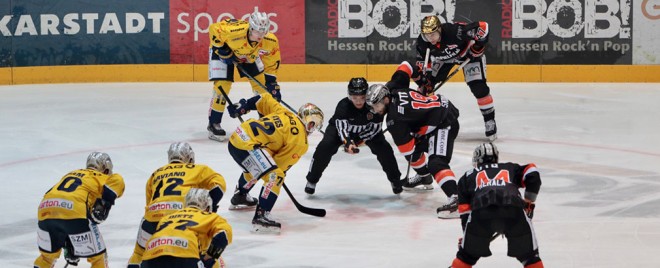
pixel 71 210
pixel 266 148
pixel 193 237
pixel 166 190
pixel 254 48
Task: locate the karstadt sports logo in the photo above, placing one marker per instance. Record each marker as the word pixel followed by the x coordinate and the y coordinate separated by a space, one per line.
pixel 80 23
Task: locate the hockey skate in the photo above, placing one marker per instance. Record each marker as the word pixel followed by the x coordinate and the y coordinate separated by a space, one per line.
pixel 450 209
pixel 242 201
pixel 310 188
pixel 216 132
pixel 418 183
pixel 491 129
pixel 262 223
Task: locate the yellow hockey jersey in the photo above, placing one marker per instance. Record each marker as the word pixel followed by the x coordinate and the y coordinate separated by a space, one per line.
pixel 74 195
pixel 234 33
pixel 280 132
pixel 270 54
pixel 167 187
pixel 186 234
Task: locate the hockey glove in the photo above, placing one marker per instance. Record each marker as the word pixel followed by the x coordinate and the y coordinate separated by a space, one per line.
pixel 226 54
pixel 425 84
pixel 238 109
pixel 273 87
pixel 208 261
pixel 350 147
pixel 477 51
pixel 100 211
pixel 529 209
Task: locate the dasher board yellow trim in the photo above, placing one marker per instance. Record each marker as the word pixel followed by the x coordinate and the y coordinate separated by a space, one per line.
pixel 320 72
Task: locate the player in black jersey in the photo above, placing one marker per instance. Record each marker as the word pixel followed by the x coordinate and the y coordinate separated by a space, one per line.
pixel 352 125
pixel 424 129
pixel 449 44
pixel 490 204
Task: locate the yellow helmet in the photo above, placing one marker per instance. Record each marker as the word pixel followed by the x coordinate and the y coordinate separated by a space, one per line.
pixel 312 117
pixel 430 24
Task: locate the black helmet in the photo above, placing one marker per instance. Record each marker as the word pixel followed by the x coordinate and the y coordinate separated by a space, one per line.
pixel 357 86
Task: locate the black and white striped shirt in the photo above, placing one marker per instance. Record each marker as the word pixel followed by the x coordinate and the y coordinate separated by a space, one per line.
pixel 355 124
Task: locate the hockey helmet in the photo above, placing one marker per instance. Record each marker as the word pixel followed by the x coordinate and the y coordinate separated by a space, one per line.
pixel 259 22
pixel 485 153
pixel 100 162
pixel 357 86
pixel 376 93
pixel 180 152
pixel 430 24
pixel 312 116
pixel 199 198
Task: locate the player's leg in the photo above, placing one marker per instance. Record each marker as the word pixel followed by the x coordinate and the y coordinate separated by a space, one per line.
pixel 86 242
pixel 222 75
pixel 50 242
pixel 385 156
pixel 475 77
pixel 521 240
pixel 440 154
pixel 474 243
pixel 147 229
pixel 418 161
pixel 241 198
pixel 321 158
pixel 270 191
pixel 172 262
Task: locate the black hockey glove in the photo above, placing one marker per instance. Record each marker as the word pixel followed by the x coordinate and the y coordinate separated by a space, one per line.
pixel 226 54
pixel 208 261
pixel 425 84
pixel 238 109
pixel 273 87
pixel 351 149
pixel 100 211
pixel 529 209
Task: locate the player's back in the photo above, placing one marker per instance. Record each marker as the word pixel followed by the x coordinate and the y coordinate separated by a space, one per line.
pixel 184 233
pixel 71 196
pixel 279 129
pixel 494 184
pixel 418 111
pixel 167 187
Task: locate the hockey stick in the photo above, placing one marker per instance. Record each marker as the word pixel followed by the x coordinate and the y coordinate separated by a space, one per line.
pixel 318 212
pixel 436 87
pixel 307 210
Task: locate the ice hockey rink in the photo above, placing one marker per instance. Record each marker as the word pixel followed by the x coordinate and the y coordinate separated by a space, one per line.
pixel 597 147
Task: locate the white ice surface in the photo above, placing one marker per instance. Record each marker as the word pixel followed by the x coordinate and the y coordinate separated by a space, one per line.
pixel 597 147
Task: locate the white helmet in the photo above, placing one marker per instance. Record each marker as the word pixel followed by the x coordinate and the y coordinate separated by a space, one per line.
pixel 181 152
pixel 199 198
pixel 259 22
pixel 312 117
pixel 100 162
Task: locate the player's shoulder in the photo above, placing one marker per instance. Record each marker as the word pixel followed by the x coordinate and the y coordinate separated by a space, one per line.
pixel 271 37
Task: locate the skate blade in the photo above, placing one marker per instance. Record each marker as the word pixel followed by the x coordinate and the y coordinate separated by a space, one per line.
pixel 445 215
pixel 241 207
pixel 419 188
pixel 217 138
pixel 259 229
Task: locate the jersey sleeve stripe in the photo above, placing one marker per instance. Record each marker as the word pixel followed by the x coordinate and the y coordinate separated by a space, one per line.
pixel 528 169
